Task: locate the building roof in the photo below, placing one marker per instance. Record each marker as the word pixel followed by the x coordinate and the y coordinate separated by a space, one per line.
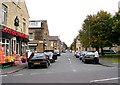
pixel 53 38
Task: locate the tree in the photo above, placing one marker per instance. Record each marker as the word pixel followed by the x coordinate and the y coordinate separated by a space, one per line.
pixel 96 30
pixel 115 37
pixel 73 45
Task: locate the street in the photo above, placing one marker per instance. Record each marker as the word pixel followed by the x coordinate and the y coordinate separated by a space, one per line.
pixel 67 69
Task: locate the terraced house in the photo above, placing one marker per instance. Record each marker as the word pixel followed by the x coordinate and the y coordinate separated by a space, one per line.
pixel 14 26
pixel 38 35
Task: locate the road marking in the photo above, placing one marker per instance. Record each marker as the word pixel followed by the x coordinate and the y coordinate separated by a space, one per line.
pixel 3 75
pixel 74 70
pixel 33 73
pixel 17 74
pixel 104 79
pixel 69 60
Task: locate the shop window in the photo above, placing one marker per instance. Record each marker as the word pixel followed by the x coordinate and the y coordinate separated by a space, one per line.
pixel 4 14
pixel 3 40
pixel 5 44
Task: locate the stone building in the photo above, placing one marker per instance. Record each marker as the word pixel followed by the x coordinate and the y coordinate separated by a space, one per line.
pixel 14 26
pixel 55 43
pixel 38 35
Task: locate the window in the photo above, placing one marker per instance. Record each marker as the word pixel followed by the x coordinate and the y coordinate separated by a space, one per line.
pixel 5 44
pixel 30 36
pixel 4 14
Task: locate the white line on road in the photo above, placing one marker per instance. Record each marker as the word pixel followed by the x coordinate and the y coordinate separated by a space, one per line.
pixel 69 60
pixel 74 70
pixel 3 75
pixel 33 73
pixel 104 79
pixel 17 74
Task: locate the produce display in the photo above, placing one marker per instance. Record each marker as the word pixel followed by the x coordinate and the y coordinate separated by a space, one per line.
pixel 13 60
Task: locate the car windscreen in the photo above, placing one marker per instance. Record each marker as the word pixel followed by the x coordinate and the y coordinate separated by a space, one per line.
pixel 90 53
pixel 38 55
pixel 83 52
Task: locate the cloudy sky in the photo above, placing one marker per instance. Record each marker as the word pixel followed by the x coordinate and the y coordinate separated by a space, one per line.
pixel 65 17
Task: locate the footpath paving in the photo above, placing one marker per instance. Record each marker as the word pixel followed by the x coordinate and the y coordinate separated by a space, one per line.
pixel 13 69
pixel 108 63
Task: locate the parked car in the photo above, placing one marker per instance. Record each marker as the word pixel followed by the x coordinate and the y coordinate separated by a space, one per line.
pixel 109 52
pixel 82 53
pixel 50 55
pixel 54 54
pixel 58 52
pixel 77 54
pixel 37 59
pixel 89 57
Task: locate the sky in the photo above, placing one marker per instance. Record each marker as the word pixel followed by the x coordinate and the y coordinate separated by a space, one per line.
pixel 65 17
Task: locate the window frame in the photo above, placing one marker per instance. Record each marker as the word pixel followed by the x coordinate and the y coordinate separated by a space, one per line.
pixel 4 14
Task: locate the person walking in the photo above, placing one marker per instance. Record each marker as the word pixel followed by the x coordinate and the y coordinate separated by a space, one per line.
pixel 96 59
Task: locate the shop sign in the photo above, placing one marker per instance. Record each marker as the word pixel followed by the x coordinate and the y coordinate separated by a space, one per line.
pixel 32 44
pixel 13 32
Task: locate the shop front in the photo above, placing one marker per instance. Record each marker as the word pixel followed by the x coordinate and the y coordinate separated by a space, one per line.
pixel 12 42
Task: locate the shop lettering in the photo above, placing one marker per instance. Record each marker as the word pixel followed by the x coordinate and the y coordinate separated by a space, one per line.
pixel 13 32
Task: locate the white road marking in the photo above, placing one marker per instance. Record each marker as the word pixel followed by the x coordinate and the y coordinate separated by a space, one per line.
pixel 104 79
pixel 33 74
pixel 74 70
pixel 17 74
pixel 3 75
pixel 69 60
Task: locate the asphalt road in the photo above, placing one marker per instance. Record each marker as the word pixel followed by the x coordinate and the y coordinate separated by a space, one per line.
pixel 67 69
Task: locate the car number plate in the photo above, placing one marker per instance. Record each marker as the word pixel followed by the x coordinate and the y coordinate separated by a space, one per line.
pixel 36 63
pixel 91 56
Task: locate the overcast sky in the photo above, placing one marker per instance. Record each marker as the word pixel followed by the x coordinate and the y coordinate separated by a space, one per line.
pixel 65 17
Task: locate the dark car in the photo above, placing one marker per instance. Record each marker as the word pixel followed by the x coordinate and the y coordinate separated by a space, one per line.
pixel 77 54
pixel 54 54
pixel 89 57
pixel 37 59
pixel 58 52
pixel 50 55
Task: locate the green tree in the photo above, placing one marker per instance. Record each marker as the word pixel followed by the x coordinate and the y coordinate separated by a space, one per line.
pixel 115 37
pixel 96 30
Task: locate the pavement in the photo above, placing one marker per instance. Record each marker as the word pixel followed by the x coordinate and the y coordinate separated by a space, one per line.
pixel 24 65
pixel 13 69
pixel 108 63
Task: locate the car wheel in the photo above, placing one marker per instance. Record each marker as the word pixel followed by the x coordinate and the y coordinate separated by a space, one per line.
pixel 29 66
pixel 84 61
pixel 46 66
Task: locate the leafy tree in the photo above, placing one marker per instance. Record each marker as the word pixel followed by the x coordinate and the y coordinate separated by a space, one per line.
pixel 96 30
pixel 115 37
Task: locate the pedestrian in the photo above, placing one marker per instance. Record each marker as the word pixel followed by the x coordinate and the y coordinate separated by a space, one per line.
pixel 96 59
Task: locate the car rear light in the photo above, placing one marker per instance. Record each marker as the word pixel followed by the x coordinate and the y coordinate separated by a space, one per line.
pixel 86 56
pixel 44 58
pixel 28 59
